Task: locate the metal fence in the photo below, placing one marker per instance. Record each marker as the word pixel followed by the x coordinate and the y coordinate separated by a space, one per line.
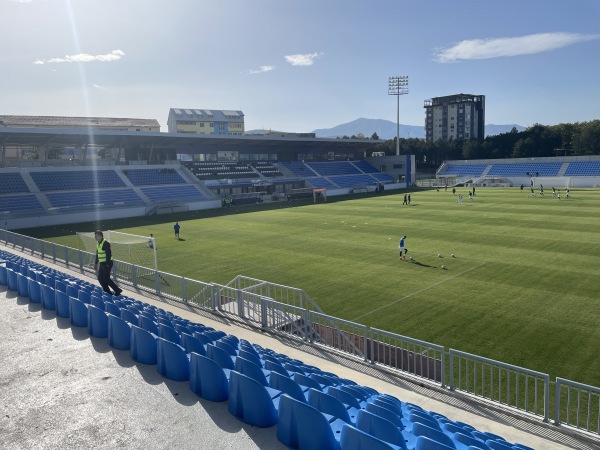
pixel 577 405
pixel 516 387
pixel 289 311
pixel 404 354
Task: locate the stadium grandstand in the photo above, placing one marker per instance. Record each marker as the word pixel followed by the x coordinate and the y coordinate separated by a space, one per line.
pixel 274 381
pixel 192 364
pixel 567 171
pixel 57 169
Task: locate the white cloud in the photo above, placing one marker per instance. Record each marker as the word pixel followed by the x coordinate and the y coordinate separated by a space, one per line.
pixel 97 86
pixel 115 55
pixel 514 46
pixel 261 69
pixel 307 59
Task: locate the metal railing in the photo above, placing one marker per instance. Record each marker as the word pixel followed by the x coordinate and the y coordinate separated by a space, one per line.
pixel 289 311
pixel 577 405
pixel 404 354
pixel 513 386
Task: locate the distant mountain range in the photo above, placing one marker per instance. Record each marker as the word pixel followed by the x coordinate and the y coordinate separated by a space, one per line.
pixel 386 129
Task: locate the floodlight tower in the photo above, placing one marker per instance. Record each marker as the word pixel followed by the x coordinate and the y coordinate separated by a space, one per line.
pixel 398 86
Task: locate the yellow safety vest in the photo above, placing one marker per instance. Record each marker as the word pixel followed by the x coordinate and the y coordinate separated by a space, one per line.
pixel 101 253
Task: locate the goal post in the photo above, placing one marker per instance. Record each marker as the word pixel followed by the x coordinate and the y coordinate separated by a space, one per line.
pixel 131 248
pixel 556 182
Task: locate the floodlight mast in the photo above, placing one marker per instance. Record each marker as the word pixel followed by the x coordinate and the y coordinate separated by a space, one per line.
pixel 398 86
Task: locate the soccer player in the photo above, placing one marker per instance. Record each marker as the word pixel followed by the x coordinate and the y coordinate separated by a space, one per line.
pixel 176 227
pixel 403 250
pixel 103 264
pixel 151 241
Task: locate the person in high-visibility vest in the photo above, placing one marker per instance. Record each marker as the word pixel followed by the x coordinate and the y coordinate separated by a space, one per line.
pixel 103 265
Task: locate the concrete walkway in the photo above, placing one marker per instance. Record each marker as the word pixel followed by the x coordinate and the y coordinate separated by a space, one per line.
pixel 61 388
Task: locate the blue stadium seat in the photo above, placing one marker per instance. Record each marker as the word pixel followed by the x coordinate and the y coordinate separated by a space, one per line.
pixel 207 379
pixel 119 333
pixel 48 297
pixel 497 445
pixel 248 368
pixel 12 280
pixel 287 385
pixel 172 361
pixel 220 356
pixel 97 322
pixel 62 304
pixel 148 324
pixel 3 274
pixel 191 344
pixel 303 427
pixel 465 442
pixel 22 285
pixel 251 402
pixel 78 312
pixel 329 405
pixel 355 439
pixel 143 346
pixel 129 316
pixel 35 291
pixel 346 398
pixel 380 427
pixel 426 443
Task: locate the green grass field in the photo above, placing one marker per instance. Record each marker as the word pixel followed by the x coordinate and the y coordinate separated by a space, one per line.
pixel 523 288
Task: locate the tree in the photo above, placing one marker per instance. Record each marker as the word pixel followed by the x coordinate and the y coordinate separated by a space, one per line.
pixel 374 137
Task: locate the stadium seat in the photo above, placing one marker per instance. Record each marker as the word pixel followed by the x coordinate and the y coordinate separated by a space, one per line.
pixel 303 427
pixel 465 442
pixel 433 434
pixel 85 296
pixel 35 291
pixel 169 333
pixel 172 361
pixel 329 405
pixel 287 385
pixel 425 443
pixel 22 285
pixel 251 357
pixel 48 297
pixel 269 365
pixel 346 398
pixel 227 346
pixel 13 282
pixel 97 322
pixel 450 428
pixel 220 356
pixel 248 368
pixel 191 344
pixel 62 304
pixel 207 379
pixel 129 316
pixel 111 308
pixel 119 333
pixel 380 428
pixel 3 274
pixel 497 445
pixel 306 381
pixel 148 324
pixel 143 346
pixel 386 413
pixel 354 439
pixel 251 402
pixel 78 312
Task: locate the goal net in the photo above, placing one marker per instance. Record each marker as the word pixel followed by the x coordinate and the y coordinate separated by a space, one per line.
pixel 130 248
pixel 553 182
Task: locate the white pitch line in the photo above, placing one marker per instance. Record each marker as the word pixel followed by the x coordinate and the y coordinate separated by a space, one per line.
pixel 418 292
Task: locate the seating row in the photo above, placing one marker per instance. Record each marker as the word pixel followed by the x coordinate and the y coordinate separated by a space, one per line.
pixel 311 408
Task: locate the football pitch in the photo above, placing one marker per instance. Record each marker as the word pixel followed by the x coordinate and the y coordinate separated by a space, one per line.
pixel 523 286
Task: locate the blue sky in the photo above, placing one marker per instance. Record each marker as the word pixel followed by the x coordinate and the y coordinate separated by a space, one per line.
pixel 298 65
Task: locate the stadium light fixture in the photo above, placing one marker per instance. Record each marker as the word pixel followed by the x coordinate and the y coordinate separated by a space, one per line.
pixel 398 86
